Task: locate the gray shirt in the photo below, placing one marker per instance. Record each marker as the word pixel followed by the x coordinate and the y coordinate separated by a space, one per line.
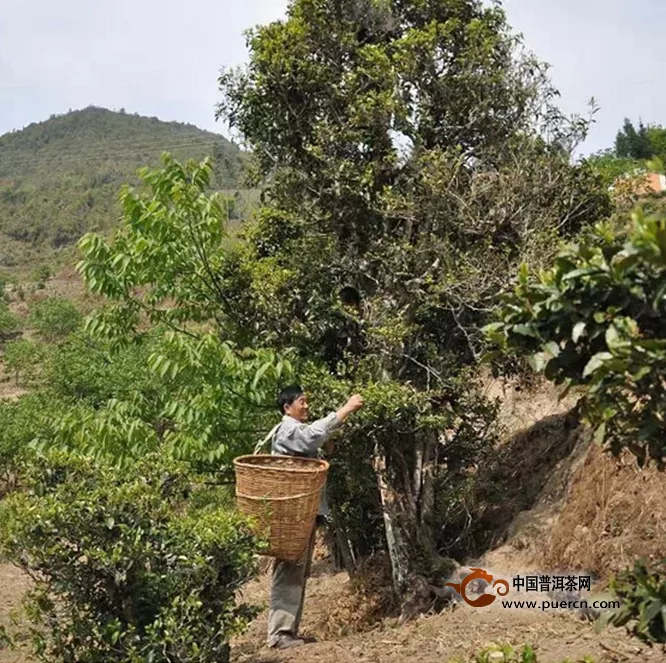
pixel 294 438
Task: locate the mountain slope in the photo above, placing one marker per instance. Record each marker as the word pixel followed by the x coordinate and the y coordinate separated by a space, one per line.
pixel 60 178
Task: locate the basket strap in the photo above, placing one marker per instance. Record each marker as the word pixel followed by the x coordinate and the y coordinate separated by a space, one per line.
pixel 278 499
pixel 265 443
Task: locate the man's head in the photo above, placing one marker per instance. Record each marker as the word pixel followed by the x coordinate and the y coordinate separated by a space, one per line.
pixel 292 401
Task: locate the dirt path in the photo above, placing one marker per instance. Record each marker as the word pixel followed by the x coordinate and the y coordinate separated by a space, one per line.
pixel 456 633
pixel 12 586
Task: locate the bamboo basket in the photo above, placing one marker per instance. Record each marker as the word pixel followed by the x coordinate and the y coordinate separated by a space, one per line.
pixel 282 493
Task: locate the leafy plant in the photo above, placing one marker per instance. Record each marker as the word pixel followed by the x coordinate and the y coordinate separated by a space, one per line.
pixel 199 400
pixel 165 259
pixel 23 358
pixel 9 323
pixel 141 565
pixel 611 166
pixel 88 370
pixel 54 318
pixel 596 320
pixel 642 593
pixel 496 653
pixel 21 421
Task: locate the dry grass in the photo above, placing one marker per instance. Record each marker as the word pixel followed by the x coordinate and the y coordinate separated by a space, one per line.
pixel 615 513
pixel 365 600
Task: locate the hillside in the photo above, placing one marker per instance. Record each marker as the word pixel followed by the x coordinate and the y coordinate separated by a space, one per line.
pixel 60 178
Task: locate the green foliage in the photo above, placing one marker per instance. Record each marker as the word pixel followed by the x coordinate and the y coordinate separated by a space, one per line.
pixel 202 401
pixel 611 166
pixel 164 264
pixel 507 654
pixel 22 358
pixel 411 155
pixel 54 318
pixel 20 422
pixel 642 144
pixel 59 179
pixel 9 323
pixel 170 246
pixel 426 238
pixel 633 143
pixel 138 566
pixel 85 369
pixel 596 319
pixel 198 399
pixel 657 137
pixel 642 592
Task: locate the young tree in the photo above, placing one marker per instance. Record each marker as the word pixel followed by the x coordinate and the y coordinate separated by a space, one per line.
pixel 411 156
pixel 22 358
pixel 208 398
pixel 9 323
pixel 55 318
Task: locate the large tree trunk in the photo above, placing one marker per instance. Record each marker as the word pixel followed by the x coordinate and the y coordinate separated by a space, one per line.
pixel 407 496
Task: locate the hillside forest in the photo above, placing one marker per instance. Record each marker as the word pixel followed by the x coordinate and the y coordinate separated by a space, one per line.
pixel 60 178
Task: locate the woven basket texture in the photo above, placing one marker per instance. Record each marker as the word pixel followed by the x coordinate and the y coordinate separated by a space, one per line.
pixel 282 494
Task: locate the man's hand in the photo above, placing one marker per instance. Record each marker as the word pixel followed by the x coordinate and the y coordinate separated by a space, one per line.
pixel 354 404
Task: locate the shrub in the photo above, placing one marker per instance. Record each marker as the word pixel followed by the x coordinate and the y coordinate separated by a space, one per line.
pixel 22 359
pixel 21 421
pixel 642 593
pixel 597 319
pixel 84 368
pixel 138 566
pixel 9 323
pixel 55 318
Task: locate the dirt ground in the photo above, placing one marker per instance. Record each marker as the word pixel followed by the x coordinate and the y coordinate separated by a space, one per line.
pixel 455 634
pixel 12 586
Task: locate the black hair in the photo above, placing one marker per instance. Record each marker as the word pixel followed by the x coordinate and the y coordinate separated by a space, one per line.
pixel 288 395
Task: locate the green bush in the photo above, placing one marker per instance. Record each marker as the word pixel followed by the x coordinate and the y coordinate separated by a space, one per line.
pixel 22 359
pixel 596 319
pixel 55 318
pixel 17 420
pixel 9 323
pixel 141 565
pixel 84 368
pixel 642 593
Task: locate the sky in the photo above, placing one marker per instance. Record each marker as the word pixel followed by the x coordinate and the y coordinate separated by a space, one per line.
pixel 162 57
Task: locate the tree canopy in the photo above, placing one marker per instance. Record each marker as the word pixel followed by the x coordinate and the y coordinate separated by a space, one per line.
pixel 412 155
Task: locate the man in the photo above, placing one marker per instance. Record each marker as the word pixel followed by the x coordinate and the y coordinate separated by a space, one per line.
pixel 295 437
